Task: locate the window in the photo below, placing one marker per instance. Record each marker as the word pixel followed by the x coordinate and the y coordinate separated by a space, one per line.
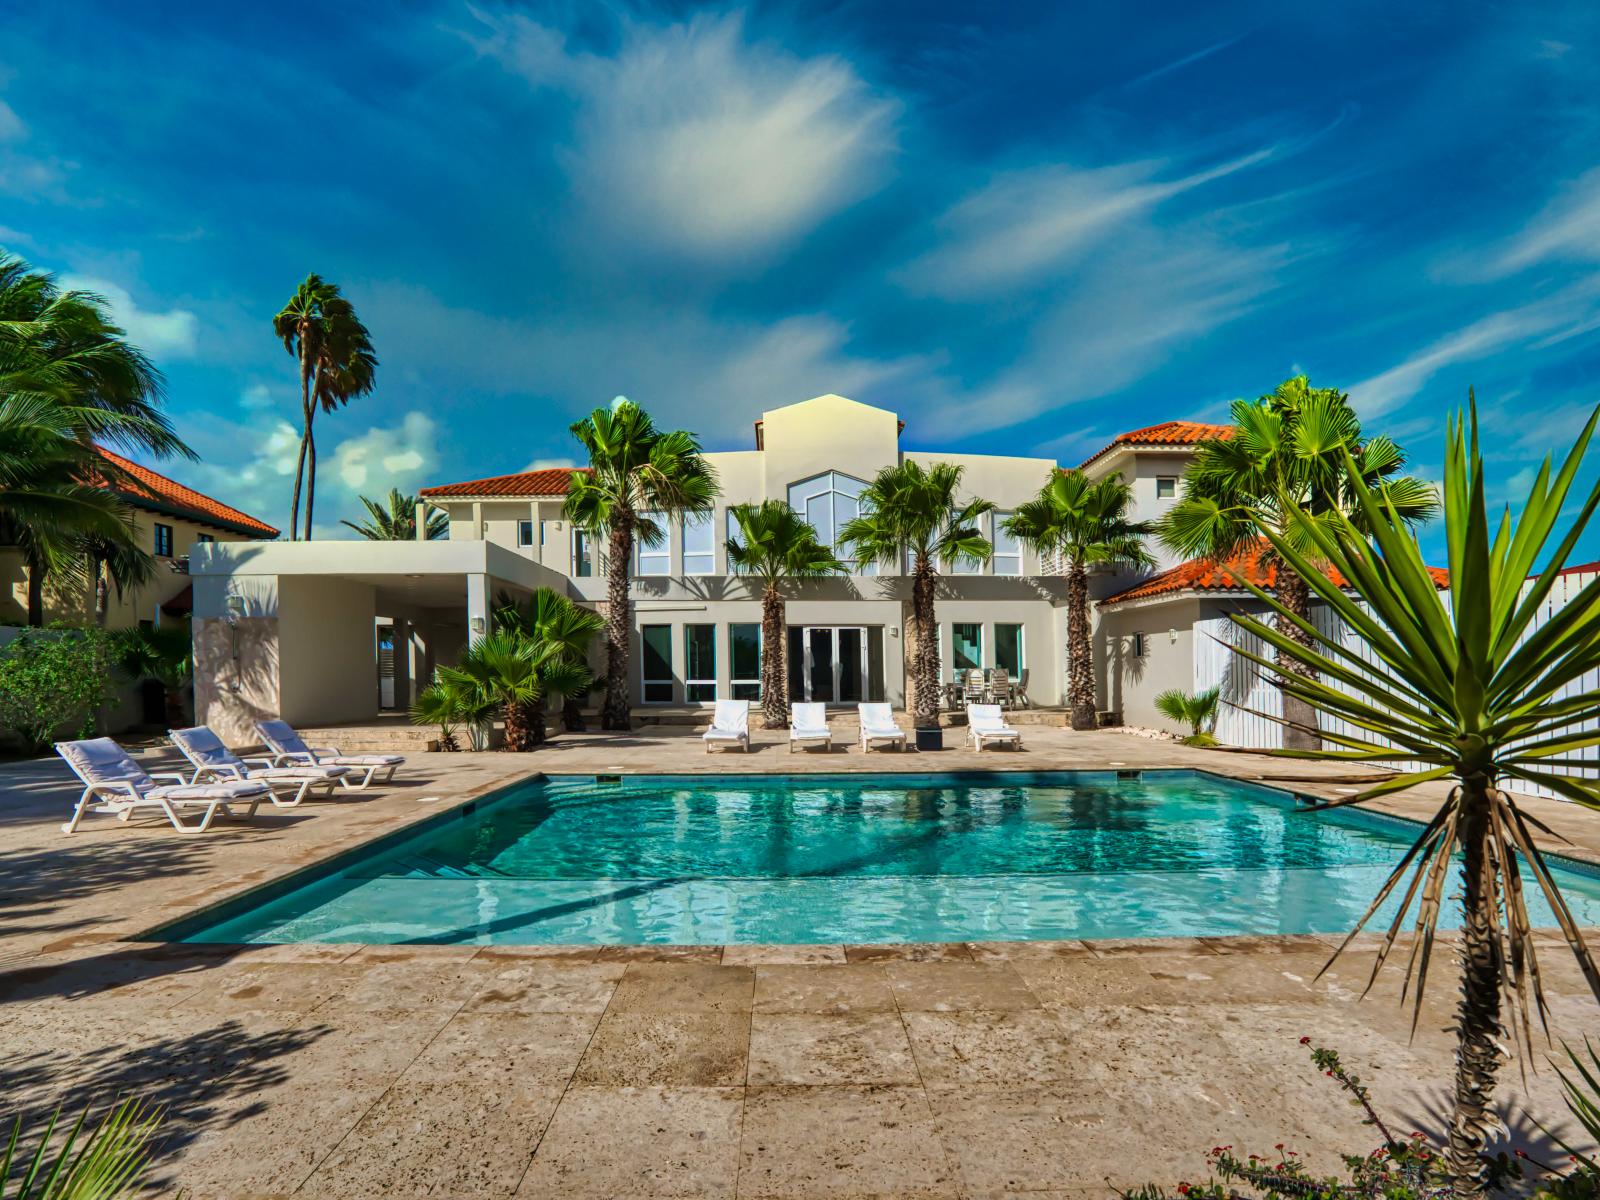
pixel 163 547
pixel 1138 645
pixel 1008 649
pixel 966 566
pixel 657 559
pixel 1007 550
pixel 735 534
pixel 699 662
pixel 1166 487
pixel 827 502
pixel 582 555
pixel 699 545
pixel 657 664
pixel 524 533
pixel 966 645
pixel 744 653
pixel 204 537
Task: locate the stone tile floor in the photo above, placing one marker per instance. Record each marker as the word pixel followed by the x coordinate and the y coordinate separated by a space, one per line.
pixel 963 1070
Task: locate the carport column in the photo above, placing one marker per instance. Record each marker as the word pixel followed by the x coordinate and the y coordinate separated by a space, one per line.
pixel 402 663
pixel 477 608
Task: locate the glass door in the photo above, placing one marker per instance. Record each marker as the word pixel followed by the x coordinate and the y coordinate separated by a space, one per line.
pixel 851 666
pixel 828 664
pixel 821 666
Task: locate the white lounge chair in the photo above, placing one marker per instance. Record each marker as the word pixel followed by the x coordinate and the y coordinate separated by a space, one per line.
pixel 877 725
pixel 289 785
pixel 289 748
pixel 113 783
pixel 808 723
pixel 730 725
pixel 984 724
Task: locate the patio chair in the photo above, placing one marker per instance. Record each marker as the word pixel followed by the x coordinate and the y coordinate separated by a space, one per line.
pixel 288 785
pixel 113 783
pixel 730 725
pixel 972 689
pixel 1019 690
pixel 877 725
pixel 808 723
pixel 984 725
pixel 288 747
pixel 1000 687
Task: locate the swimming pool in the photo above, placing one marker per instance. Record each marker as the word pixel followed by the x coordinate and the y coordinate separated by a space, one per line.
pixel 709 859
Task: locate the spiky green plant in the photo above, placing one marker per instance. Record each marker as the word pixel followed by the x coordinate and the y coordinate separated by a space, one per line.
pixel 1198 712
pixel 395 519
pixel 564 631
pixel 107 1162
pixel 450 705
pixel 1474 691
pixel 1582 1094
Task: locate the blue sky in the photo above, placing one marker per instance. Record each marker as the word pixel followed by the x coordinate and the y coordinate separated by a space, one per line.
pixel 1025 227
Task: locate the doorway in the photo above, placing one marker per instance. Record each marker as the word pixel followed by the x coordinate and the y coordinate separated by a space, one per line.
pixel 834 664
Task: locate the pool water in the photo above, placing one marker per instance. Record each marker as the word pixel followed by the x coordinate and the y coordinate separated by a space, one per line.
pixel 709 859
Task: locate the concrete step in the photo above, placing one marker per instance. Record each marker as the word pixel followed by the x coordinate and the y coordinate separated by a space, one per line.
pixel 374 739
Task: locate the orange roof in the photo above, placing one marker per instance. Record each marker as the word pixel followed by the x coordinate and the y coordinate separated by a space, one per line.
pixel 146 489
pixel 552 481
pixel 1168 433
pixel 1207 575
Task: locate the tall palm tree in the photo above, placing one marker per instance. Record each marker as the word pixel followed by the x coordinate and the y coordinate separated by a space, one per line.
pixel 395 520
pixel 337 364
pixel 565 630
pixel 116 566
pixel 1299 448
pixel 1082 524
pixel 635 470
pixel 774 545
pixel 1475 692
pixel 912 510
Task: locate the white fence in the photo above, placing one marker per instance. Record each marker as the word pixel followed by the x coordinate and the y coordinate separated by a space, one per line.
pixel 1246 691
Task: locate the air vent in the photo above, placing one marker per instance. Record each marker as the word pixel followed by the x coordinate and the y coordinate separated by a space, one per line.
pixel 608 778
pixel 1129 776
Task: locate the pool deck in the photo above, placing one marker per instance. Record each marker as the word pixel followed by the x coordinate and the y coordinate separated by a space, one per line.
pixel 964 1070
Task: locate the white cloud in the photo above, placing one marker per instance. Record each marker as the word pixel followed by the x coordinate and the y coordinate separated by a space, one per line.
pixel 11 127
pixel 1568 228
pixel 692 137
pixel 173 333
pixel 384 458
pixel 550 464
pixel 257 395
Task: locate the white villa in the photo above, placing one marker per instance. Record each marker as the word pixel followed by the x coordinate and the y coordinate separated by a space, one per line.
pixel 288 628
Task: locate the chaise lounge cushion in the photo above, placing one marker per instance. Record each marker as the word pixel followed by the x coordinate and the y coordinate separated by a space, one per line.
pixel 280 735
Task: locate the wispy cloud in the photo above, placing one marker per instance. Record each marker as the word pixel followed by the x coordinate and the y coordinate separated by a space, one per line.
pixel 169 333
pixel 1567 229
pixel 1188 60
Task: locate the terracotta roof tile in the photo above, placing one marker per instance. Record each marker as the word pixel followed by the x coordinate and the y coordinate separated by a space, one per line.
pixel 1167 433
pixel 1206 575
pixel 142 485
pixel 552 481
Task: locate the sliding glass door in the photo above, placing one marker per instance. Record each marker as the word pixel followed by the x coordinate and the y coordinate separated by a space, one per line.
pixel 828 664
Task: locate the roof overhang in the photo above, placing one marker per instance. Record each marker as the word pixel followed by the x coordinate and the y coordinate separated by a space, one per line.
pixel 1112 458
pixel 1112 604
pixel 146 503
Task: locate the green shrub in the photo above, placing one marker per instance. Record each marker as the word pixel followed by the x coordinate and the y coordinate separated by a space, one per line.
pixel 99 1163
pixel 1198 712
pixel 53 681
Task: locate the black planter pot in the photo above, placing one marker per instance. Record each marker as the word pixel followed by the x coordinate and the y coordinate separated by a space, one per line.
pixel 931 738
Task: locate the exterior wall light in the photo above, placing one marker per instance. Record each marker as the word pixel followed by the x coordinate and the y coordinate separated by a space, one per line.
pixel 479 625
pixel 235 610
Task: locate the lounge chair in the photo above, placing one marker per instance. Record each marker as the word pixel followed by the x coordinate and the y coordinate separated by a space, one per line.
pixel 730 725
pixel 984 724
pixel 289 785
pixel 122 787
pixel 808 723
pixel 877 725
pixel 289 748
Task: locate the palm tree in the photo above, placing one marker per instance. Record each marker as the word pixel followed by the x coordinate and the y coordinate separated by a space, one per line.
pixel 912 510
pixel 337 364
pixel 1198 712
pixel 565 630
pixel 1082 524
pixel 114 566
pixel 396 519
pixel 501 669
pixel 775 545
pixel 1297 448
pixel 449 705
pixel 1472 691
pixel 635 471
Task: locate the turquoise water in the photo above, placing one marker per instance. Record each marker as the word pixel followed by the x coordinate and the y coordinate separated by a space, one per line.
pixel 856 858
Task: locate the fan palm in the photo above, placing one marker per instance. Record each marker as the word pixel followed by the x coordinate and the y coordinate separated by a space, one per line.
pixel 1475 692
pixel 635 471
pixel 337 364
pixel 450 704
pixel 912 510
pixel 395 520
pixel 774 545
pixel 1081 524
pixel 564 631
pixel 1198 712
pixel 1298 448
pixel 502 669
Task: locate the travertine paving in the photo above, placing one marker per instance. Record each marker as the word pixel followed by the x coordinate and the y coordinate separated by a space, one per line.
pixel 964 1070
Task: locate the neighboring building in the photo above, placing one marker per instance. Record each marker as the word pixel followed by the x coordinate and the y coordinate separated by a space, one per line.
pixel 169 520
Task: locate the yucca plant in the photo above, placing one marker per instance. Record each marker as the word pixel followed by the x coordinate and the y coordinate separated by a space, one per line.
pixel 1583 1102
pixel 105 1163
pixel 1473 691
pixel 1198 712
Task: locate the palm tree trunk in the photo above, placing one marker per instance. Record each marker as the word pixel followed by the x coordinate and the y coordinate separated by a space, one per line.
pixel 535 722
pixel 925 654
pixel 516 727
pixel 305 413
pixel 311 474
pixel 1295 595
pixel 774 668
pixel 617 711
pixel 100 589
pixel 1478 1029
pixel 1080 658
pixel 36 574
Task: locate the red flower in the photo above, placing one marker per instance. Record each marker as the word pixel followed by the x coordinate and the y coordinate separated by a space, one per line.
pixel 1305 1041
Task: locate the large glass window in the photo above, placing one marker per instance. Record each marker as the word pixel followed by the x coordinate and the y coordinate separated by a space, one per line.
pixel 1008 649
pixel 967 566
pixel 1007 550
pixel 699 662
pixel 966 646
pixel 657 663
pixel 657 559
pixel 699 549
pixel 582 555
pixel 744 655
pixel 827 502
